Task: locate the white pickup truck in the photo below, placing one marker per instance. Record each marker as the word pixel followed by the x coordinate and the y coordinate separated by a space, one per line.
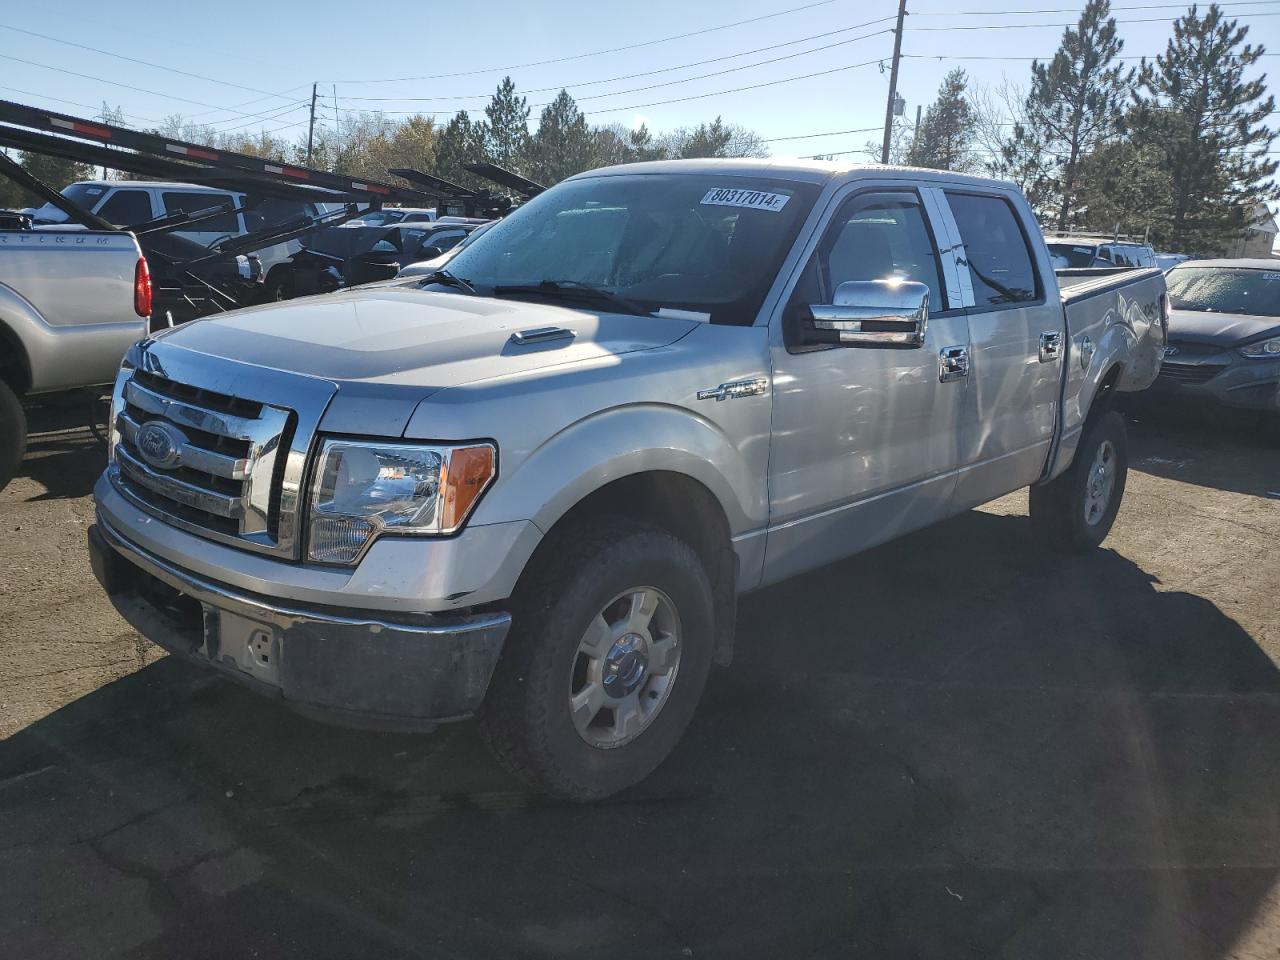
pixel 531 486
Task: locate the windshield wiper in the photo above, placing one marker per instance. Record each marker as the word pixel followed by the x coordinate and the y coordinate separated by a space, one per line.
pixel 446 279
pixel 572 290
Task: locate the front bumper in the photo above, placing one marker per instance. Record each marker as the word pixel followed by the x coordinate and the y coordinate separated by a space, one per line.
pixel 1225 378
pixel 397 671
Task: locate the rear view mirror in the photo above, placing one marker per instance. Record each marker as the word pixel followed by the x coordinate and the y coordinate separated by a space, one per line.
pixel 879 313
pixel 430 252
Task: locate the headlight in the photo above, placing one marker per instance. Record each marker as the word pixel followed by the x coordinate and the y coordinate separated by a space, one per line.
pixel 363 490
pixel 1263 348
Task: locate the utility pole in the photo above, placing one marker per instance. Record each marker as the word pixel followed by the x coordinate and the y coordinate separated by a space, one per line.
pixel 916 136
pixel 311 126
pixel 893 82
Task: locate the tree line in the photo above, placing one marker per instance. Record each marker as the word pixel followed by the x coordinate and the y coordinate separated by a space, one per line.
pixel 1176 147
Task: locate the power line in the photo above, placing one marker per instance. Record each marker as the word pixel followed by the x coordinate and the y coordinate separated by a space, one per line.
pixel 754 86
pixel 650 73
pixel 948 56
pixel 145 63
pixel 597 53
pixel 74 103
pixel 1033 26
pixel 113 83
pixel 810 136
pixel 1138 6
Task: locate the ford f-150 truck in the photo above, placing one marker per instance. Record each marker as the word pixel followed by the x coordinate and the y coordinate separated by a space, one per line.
pixel 71 304
pixel 530 486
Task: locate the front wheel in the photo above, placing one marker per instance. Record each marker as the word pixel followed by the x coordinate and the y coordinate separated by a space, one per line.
pixel 610 648
pixel 1074 512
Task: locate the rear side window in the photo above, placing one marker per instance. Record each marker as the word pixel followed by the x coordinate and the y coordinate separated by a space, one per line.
pixel 996 250
pixel 126 208
pixel 190 202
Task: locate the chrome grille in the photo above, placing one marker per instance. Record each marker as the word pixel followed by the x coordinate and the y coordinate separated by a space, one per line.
pixel 222 463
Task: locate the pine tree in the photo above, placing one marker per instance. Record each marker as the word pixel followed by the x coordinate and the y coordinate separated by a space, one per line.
pixel 506 134
pixel 460 142
pixel 564 144
pixel 1197 107
pixel 1075 104
pixel 943 141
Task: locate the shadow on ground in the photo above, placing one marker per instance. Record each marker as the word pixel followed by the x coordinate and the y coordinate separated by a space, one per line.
pixel 948 747
pixel 63 460
pixel 1210 446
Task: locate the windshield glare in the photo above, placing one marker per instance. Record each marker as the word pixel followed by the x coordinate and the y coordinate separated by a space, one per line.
pixel 1225 290
pixel 705 244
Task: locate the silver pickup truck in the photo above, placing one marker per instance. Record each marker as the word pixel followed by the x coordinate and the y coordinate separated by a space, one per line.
pixel 532 486
pixel 71 304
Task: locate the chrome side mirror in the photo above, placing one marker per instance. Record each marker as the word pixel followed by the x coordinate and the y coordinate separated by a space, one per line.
pixel 877 313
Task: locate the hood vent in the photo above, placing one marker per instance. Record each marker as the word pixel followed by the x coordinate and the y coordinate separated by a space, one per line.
pixel 538 335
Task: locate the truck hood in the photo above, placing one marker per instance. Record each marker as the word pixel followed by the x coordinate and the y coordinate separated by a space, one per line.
pixel 1219 329
pixel 417 341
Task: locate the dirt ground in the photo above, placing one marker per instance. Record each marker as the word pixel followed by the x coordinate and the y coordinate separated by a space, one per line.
pixel 949 747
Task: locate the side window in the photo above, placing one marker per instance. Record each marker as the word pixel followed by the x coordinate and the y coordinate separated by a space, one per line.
pixel 999 260
pixel 1125 257
pixel 188 202
pixel 126 208
pixel 875 237
pixel 446 239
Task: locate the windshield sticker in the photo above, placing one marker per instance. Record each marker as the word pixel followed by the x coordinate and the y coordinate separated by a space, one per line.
pixel 750 199
pixel 1271 276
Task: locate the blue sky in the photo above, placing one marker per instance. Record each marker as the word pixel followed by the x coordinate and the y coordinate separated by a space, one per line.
pixel 266 55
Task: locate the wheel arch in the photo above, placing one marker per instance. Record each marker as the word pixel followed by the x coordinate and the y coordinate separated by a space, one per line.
pixel 670 500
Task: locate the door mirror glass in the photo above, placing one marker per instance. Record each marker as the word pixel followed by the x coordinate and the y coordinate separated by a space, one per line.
pixel 875 313
pixel 429 252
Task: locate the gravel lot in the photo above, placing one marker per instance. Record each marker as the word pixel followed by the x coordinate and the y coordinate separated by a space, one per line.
pixel 950 746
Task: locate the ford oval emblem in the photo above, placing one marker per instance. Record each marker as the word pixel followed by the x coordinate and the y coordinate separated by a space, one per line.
pixel 160 444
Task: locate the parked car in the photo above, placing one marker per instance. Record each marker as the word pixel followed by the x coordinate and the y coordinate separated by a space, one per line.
pixel 127 203
pixel 423 267
pixel 332 258
pixel 533 486
pixel 1070 253
pixel 389 215
pixel 71 304
pixel 1224 333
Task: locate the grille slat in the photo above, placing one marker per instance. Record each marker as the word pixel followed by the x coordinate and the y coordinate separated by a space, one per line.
pixel 1188 372
pixel 218 464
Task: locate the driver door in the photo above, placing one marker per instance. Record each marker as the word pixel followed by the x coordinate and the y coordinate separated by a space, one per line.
pixel 864 442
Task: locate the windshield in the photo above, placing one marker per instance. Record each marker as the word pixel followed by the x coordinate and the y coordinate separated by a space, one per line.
pixel 703 244
pixel 1071 255
pixel 1225 290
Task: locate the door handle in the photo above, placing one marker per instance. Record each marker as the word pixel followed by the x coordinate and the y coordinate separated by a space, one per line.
pixel 953 364
pixel 1050 346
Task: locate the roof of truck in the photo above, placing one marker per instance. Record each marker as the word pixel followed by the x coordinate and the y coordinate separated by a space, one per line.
pixel 810 171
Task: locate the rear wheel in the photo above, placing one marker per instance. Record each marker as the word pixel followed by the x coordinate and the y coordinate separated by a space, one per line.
pixel 609 651
pixel 1074 512
pixel 13 434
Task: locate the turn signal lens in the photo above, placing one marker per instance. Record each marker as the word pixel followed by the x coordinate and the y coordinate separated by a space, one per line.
pixel 463 478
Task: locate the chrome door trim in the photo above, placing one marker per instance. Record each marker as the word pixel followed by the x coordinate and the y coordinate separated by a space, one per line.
pixel 947 235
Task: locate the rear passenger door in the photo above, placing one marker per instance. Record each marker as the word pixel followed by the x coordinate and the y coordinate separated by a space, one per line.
pixel 1016 338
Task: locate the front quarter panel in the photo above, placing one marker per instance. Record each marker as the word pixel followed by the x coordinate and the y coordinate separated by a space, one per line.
pixel 564 432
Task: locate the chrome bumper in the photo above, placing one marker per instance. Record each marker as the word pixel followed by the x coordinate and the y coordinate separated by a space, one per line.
pixel 405 671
